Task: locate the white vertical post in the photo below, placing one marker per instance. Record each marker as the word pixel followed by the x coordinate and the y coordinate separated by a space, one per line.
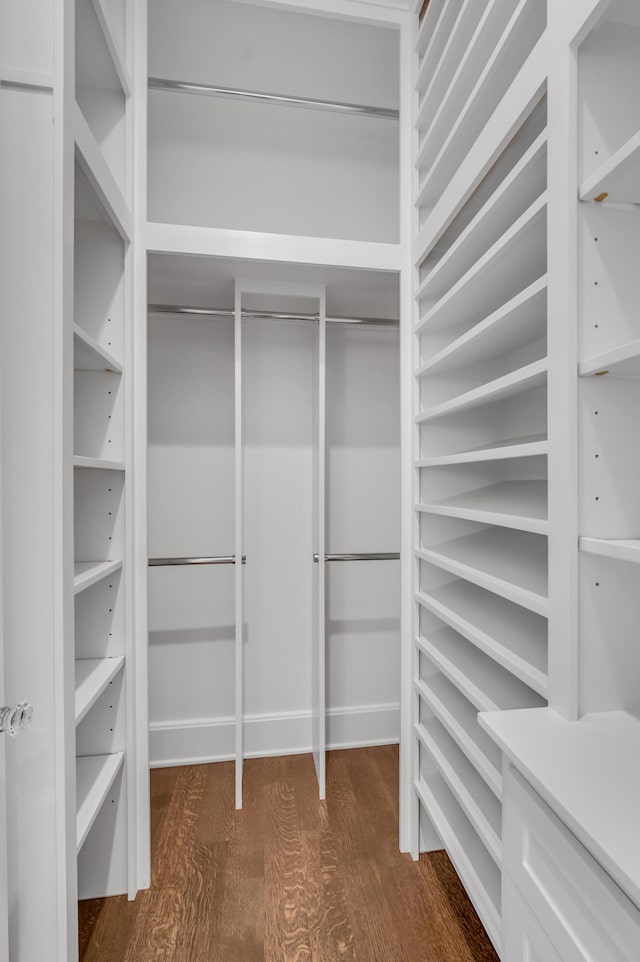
pixel 239 496
pixel 318 700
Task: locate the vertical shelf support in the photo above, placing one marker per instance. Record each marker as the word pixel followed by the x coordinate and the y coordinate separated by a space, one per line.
pixel 239 492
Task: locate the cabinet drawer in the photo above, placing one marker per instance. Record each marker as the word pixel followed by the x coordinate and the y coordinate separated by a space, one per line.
pixel 522 937
pixel 585 915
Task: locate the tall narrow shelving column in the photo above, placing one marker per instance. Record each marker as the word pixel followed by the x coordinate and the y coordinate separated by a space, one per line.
pixel 480 426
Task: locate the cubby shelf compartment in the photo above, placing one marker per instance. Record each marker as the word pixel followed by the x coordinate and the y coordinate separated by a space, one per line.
pixel 460 719
pixel 88 355
pixel 92 677
pixel 105 21
pixel 509 504
pixel 622 550
pixel 473 863
pixel 522 186
pixel 510 564
pixel 519 322
pixel 481 680
pixel 618 178
pixel 622 361
pixel 528 447
pixel 497 73
pixel 513 263
pixel 88 573
pixel 101 179
pixel 472 794
pixel 526 378
pixel 514 638
pixel 99 464
pixel 95 774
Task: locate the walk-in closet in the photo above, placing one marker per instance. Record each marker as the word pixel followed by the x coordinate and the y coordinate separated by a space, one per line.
pixel 318 523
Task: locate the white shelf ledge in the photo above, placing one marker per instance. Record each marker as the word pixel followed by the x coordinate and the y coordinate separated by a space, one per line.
pixel 472 861
pixel 434 30
pixel 518 323
pixel 95 774
pixel 435 83
pixel 97 464
pixel 89 356
pixel 514 260
pixel 475 798
pixel 88 573
pixel 623 550
pixel 510 504
pixel 618 177
pixel 485 684
pixel 92 677
pixel 623 361
pixel 531 447
pixel 101 179
pixel 460 719
pixel 290 248
pixel 524 379
pixel 113 46
pixel 508 563
pixel 587 772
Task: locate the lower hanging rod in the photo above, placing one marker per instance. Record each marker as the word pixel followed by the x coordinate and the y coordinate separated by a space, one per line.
pixel 224 559
pixel 365 556
pixel 254 96
pixel 268 315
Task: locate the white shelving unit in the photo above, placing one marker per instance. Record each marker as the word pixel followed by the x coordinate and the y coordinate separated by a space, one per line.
pixel 480 422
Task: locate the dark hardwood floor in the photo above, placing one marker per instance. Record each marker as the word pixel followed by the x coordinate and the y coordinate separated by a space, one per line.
pixel 288 878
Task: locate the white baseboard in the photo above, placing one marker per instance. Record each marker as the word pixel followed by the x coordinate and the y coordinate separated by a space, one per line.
pixel 200 740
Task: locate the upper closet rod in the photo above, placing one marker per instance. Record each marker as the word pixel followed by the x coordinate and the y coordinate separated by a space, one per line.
pixel 366 556
pixel 269 315
pixel 225 559
pixel 253 96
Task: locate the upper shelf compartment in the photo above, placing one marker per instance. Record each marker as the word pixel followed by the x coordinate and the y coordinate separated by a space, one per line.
pixel 223 153
pixel 102 79
pixel 609 107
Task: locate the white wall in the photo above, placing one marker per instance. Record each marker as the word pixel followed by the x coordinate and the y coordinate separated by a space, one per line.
pixel 191 512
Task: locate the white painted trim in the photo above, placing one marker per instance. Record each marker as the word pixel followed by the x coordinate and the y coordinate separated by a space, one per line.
pixel 290 248
pixel 380 13
pixel 287 733
pixel 37 80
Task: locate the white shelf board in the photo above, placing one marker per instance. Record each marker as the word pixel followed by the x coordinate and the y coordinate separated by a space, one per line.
pixel 510 504
pixel 520 188
pixel 586 771
pixel 432 35
pixel 92 677
pixel 289 248
pixel 529 447
pixel 438 78
pixel 99 464
pixel 460 719
pixel 487 686
pixel 618 177
pixel 101 179
pixel 508 563
pixel 472 862
pixel 513 256
pixel 473 795
pixel 88 573
pixel 113 45
pixel 519 322
pixel 514 637
pixel 524 379
pixel 88 355
pixel 627 550
pixel 95 774
pixel 623 361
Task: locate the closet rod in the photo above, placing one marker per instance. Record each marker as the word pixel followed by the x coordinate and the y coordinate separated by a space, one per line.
pixel 229 559
pixel 269 315
pixel 254 96
pixel 366 556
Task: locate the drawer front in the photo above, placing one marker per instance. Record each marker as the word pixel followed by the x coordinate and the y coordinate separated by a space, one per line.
pixel 583 912
pixel 522 937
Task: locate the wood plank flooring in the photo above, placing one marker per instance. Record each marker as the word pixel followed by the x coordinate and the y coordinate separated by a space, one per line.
pixel 288 878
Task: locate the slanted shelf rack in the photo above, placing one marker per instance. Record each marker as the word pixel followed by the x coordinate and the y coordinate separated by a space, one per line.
pixel 101 224
pixel 480 422
pixel 609 362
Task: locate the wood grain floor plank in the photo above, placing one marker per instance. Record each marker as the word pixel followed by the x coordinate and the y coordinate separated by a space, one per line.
pixel 288 878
